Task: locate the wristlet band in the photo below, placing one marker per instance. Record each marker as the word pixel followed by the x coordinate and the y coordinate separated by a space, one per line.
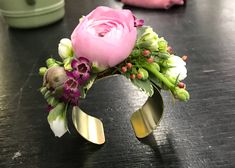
pixel 143 121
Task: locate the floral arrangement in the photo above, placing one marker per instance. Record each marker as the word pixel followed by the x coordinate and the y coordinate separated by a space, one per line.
pixel 107 42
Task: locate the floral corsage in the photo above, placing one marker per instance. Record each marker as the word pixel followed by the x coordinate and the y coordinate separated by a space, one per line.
pixel 107 42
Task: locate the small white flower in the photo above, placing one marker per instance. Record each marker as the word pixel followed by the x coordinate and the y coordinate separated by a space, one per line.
pixel 65 48
pixel 81 19
pixel 178 68
pixel 58 126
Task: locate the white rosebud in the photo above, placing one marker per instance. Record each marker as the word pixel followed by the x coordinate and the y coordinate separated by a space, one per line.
pixel 178 68
pixel 57 119
pixel 65 48
pixel 58 126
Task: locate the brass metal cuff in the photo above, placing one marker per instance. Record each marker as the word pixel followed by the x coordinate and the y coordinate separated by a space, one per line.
pixel 143 121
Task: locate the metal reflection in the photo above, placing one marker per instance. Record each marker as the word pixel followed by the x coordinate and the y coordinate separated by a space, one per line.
pixel 89 127
pixel 143 121
pixel 146 119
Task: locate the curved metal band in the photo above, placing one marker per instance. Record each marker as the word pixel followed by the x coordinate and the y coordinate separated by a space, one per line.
pixel 143 121
pixel 88 127
pixel 146 119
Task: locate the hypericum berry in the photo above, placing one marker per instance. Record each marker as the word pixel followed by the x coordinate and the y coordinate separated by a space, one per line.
pixel 150 60
pixel 132 76
pixel 144 74
pixel 124 69
pixel 184 58
pixel 181 85
pixel 170 49
pixel 139 76
pixel 129 65
pixel 146 53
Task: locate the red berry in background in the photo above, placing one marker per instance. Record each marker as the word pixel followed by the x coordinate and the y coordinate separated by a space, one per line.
pixel 181 85
pixel 150 60
pixel 184 58
pixel 124 69
pixel 129 65
pixel 132 76
pixel 139 76
pixel 146 53
pixel 170 49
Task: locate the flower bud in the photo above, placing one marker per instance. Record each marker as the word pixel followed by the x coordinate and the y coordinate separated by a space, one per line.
pixel 55 77
pixel 184 57
pixel 150 60
pixel 144 73
pixel 129 65
pixel 65 48
pixel 170 50
pixel 181 94
pixel 135 53
pixel 147 39
pixel 162 45
pixel 156 66
pixel 146 53
pixel 42 71
pixel 58 126
pixel 140 76
pixel 181 85
pixel 51 62
pixel 132 76
pixel 124 69
pixel 57 120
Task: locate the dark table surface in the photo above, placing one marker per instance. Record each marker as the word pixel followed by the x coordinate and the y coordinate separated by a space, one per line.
pixel 200 133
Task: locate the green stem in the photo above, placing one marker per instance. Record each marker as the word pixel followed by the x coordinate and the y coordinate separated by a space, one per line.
pixel 179 93
pixel 160 76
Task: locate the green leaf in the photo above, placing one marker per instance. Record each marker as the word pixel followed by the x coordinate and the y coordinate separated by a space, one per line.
pixel 52 101
pixel 164 55
pixel 67 63
pixel 47 94
pixel 43 90
pixel 177 80
pixel 88 85
pixel 145 86
pixel 155 80
pixel 59 110
pixel 59 63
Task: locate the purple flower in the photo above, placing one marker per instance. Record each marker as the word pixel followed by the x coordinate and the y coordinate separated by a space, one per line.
pixel 71 92
pixel 138 22
pixel 70 84
pixel 81 69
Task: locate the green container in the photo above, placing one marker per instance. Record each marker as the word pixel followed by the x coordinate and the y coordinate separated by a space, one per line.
pixel 31 13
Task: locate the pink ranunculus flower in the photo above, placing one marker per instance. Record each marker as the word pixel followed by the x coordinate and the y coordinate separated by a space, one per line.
pixel 105 36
